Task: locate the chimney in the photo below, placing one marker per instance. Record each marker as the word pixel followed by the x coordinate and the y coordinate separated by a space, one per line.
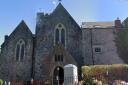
pixel 117 23
pixel 5 37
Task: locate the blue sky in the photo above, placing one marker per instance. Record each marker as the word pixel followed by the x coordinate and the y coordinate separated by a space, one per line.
pixel 13 11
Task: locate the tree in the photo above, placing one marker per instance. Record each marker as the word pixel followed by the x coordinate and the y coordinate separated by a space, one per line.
pixel 121 41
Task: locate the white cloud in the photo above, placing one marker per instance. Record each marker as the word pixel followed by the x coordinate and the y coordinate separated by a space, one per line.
pixel 123 0
pixel 54 3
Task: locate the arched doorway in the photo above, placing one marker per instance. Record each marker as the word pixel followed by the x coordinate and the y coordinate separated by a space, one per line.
pixel 58 76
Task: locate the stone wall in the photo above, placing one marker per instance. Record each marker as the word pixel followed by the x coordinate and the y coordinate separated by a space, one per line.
pixel 10 69
pixel 87 46
pixel 80 44
pixel 104 39
pixel 45 32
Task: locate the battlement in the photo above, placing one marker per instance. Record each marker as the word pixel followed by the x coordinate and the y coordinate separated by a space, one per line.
pixel 41 18
pixel 42 15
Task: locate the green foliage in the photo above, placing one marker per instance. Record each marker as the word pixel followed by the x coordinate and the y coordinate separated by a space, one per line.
pixel 125 23
pixel 94 70
pixel 103 72
pixel 121 41
pixel 88 81
pixel 86 71
pixel 1 82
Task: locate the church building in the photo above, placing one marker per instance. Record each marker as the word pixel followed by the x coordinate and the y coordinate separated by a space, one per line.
pixel 58 41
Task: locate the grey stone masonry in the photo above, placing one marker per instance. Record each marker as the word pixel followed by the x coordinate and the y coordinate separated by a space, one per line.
pixel 10 69
pixel 102 38
pixel 75 45
pixel 45 35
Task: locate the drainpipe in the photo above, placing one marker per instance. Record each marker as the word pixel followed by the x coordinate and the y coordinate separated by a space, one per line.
pixel 92 46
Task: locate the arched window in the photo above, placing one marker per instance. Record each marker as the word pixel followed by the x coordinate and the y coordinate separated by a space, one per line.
pixel 63 37
pixel 20 50
pixel 60 34
pixel 57 36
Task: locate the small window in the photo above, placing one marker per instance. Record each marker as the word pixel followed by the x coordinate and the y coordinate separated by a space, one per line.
pixel 98 50
pixel 58 58
pixel 55 58
pixel 61 58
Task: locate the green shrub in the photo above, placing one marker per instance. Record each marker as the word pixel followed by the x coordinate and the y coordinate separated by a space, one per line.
pixel 88 81
pixel 104 72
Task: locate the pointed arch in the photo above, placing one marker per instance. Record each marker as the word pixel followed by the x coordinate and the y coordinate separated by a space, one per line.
pixel 58 74
pixel 60 34
pixel 20 50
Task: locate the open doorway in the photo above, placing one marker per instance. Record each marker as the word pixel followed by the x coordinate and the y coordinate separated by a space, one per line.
pixel 58 76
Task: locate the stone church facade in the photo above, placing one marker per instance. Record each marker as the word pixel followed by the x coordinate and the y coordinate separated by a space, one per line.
pixel 58 41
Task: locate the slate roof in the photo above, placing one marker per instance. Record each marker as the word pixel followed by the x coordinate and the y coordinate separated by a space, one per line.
pixel 98 24
pixel 21 25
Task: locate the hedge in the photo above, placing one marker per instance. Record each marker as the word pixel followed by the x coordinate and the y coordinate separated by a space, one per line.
pixel 111 72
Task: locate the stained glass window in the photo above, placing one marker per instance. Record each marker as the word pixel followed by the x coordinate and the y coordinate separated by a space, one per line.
pixel 17 52
pixel 57 36
pixel 22 52
pixel 63 37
